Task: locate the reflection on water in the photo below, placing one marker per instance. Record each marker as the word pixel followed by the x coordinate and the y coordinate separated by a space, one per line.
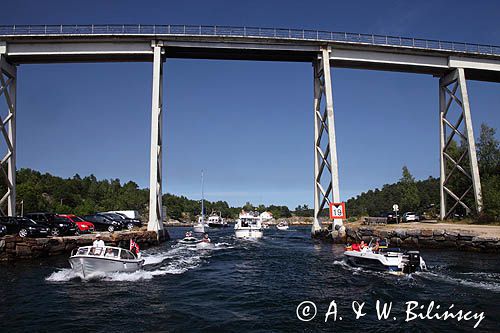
pixel 248 285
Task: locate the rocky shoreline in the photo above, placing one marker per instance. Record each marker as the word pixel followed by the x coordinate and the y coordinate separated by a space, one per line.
pixel 13 247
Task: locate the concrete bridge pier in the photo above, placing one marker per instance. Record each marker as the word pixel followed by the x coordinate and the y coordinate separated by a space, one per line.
pixel 155 222
pixel 453 90
pixel 325 144
pixel 8 78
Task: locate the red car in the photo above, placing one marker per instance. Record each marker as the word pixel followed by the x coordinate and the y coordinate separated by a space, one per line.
pixel 83 226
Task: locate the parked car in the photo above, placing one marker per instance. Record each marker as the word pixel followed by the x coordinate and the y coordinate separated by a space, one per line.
pixel 3 230
pixel 104 223
pixel 24 227
pixel 84 227
pixel 58 227
pixel 127 222
pixel 411 217
pixel 391 217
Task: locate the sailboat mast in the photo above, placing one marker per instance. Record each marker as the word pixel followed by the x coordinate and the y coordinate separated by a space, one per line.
pixel 202 200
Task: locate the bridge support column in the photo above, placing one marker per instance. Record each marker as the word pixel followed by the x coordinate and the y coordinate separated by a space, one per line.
pixel 8 75
pixel 155 179
pixel 453 92
pixel 325 159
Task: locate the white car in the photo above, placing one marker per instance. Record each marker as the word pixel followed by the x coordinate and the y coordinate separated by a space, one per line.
pixel 410 217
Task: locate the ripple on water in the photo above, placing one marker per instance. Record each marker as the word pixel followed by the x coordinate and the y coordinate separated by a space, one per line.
pixel 244 285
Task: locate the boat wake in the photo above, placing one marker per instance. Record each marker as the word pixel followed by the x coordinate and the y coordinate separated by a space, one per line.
pixel 175 260
pixel 479 280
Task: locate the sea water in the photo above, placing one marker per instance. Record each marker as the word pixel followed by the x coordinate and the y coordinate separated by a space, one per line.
pixel 250 286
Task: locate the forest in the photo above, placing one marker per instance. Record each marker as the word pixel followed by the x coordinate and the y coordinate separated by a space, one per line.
pixel 46 192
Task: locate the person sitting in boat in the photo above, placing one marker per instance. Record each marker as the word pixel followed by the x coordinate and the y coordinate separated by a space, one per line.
pixel 111 253
pixel 376 247
pixel 205 238
pixel 362 245
pixel 189 234
pixel 355 247
pixel 98 241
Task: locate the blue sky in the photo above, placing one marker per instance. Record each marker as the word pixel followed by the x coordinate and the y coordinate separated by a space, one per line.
pixel 248 124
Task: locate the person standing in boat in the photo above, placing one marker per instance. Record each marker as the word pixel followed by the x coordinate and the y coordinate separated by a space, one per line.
pixel 98 241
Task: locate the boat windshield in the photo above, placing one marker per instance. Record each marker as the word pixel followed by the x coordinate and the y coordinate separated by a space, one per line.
pixel 245 222
pixel 126 255
pixel 112 253
pixel 82 251
pixel 96 251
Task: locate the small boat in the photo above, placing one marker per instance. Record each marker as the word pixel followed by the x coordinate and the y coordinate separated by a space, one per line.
pixel 89 259
pixel 216 221
pixel 282 226
pixel 386 259
pixel 248 226
pixel 190 241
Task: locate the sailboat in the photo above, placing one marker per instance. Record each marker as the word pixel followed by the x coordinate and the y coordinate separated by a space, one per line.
pixel 201 225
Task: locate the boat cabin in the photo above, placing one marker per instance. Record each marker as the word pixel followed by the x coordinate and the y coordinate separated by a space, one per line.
pixel 250 222
pixel 106 252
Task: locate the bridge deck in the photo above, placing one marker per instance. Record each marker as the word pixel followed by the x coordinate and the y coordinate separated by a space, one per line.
pixel 101 43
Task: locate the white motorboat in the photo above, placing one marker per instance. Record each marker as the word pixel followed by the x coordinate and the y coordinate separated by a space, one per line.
pixel 248 226
pixel 216 221
pixel 386 259
pixel 89 259
pixel 282 226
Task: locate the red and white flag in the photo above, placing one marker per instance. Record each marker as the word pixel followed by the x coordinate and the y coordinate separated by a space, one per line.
pixel 133 245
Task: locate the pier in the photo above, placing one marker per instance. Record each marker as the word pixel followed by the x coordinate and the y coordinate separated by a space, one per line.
pixel 13 247
pixel 463 237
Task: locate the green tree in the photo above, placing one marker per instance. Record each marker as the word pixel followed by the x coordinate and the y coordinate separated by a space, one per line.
pixel 409 196
pixel 488 155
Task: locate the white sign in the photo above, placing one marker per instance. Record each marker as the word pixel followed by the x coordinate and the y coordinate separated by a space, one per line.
pixel 337 210
pixel 395 207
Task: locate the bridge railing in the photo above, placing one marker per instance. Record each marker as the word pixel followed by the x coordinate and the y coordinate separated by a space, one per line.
pixel 277 33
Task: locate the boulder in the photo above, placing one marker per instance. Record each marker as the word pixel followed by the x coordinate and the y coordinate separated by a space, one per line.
pixel 438 232
pixel 410 242
pixel 413 232
pixel 484 239
pixel 426 233
pixel 395 241
pixel 401 233
pixel 23 251
pixel 42 241
pixel 466 235
pixel 451 233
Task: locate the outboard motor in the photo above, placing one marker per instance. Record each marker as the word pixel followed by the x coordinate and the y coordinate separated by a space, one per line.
pixel 412 262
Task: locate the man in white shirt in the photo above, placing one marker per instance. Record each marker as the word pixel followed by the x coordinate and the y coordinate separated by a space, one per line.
pixel 98 241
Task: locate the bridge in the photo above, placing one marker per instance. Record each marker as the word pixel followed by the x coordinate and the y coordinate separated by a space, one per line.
pixel 453 63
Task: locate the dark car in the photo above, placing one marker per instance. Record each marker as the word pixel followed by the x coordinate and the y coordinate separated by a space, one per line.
pixel 104 223
pixel 127 222
pixel 24 227
pixel 391 217
pixel 58 226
